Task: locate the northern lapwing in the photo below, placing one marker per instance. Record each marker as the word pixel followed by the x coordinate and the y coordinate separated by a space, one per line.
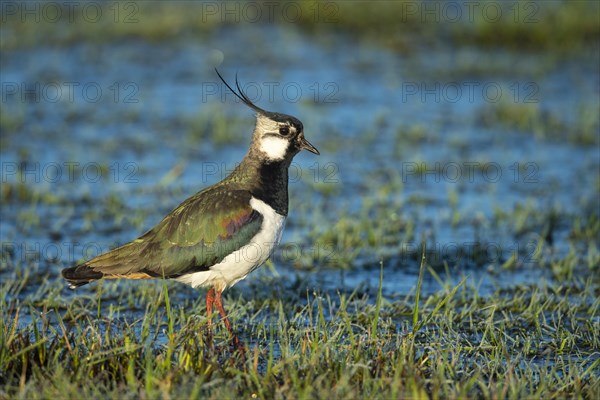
pixel 219 235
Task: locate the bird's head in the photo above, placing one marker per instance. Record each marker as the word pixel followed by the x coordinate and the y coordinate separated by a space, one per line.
pixel 277 136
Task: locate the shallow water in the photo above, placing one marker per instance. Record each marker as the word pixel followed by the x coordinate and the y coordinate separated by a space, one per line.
pixel 360 107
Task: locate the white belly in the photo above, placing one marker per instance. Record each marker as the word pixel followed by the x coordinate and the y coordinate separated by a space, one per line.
pixel 240 263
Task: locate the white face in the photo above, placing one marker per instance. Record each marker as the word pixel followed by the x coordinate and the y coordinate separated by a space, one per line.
pixel 271 142
pixel 274 147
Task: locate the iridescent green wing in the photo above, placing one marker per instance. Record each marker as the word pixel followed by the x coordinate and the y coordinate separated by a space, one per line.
pixel 199 233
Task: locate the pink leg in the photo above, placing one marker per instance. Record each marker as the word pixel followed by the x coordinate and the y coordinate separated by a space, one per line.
pixel 210 299
pixel 219 304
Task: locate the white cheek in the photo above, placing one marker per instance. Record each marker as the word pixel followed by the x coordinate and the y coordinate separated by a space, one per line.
pixel 274 147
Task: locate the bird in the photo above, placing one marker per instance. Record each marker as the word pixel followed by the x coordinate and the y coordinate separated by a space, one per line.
pixel 216 237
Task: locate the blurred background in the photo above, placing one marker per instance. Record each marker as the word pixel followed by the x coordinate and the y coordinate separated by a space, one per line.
pixel 469 127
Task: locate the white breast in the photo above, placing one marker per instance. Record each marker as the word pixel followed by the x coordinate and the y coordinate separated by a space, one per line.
pixel 240 263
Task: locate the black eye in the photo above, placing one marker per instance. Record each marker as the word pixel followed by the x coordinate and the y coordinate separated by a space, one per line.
pixel 284 131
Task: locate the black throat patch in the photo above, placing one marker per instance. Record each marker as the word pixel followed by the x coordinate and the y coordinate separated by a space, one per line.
pixel 273 186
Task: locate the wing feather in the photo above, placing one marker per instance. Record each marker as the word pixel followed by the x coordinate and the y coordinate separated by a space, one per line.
pixel 197 234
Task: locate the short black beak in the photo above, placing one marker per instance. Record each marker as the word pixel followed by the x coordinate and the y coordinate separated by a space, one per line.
pixel 304 144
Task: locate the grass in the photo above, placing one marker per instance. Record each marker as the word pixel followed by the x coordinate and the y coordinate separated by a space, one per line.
pixel 131 341
pixel 560 27
pixel 126 339
pixel 446 336
pixel 152 21
pixel 146 339
pixel 533 119
pixel 555 26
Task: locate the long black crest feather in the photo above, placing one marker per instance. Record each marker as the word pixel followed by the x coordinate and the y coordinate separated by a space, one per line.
pixel 240 94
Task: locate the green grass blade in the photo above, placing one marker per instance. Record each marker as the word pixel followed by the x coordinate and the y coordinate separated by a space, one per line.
pixel 418 293
pixel 378 304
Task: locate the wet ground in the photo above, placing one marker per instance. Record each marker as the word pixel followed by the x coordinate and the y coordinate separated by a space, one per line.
pixel 479 154
pixel 474 143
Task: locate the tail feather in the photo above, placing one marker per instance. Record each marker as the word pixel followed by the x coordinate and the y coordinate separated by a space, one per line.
pixel 80 275
pixel 117 263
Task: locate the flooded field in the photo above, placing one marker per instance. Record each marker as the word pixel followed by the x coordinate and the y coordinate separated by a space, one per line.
pixel 483 158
